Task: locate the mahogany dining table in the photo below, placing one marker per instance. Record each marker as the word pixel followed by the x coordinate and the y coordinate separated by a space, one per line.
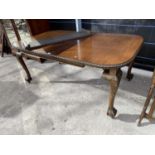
pixel 107 51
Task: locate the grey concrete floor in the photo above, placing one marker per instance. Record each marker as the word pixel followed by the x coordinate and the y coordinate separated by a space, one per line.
pixel 64 99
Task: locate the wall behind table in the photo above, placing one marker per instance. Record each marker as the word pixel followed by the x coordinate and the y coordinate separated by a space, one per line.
pixel 62 24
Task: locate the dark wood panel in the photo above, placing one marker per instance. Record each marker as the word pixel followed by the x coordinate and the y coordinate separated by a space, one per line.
pixel 37 26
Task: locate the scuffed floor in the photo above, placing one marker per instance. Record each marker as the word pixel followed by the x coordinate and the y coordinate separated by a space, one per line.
pixel 64 99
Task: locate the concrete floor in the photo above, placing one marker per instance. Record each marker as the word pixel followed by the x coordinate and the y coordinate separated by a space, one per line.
pixel 64 99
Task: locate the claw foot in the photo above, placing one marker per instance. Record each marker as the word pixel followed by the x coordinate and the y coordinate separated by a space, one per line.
pixel 28 79
pixel 112 112
pixel 129 77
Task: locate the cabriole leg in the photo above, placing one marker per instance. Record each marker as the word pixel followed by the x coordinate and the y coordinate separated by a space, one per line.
pixel 114 77
pixel 129 75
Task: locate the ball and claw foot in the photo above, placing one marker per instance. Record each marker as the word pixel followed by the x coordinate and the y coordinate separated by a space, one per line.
pixel 129 77
pixel 28 79
pixel 112 112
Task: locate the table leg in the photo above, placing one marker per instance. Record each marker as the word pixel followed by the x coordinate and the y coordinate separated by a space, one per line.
pixel 143 113
pixel 152 109
pixel 3 45
pixel 2 54
pixel 129 75
pixel 21 61
pixel 114 76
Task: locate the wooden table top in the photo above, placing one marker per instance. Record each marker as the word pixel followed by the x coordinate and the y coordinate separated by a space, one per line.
pixel 103 49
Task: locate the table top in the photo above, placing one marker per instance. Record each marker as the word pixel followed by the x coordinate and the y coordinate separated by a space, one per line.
pixel 102 49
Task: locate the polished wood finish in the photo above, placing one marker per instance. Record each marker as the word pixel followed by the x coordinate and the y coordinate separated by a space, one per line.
pixel 107 51
pixel 144 114
pixel 101 49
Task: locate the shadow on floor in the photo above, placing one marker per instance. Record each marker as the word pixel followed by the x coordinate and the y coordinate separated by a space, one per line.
pixel 134 86
pixel 13 97
pixel 148 123
pixel 129 118
pixel 132 118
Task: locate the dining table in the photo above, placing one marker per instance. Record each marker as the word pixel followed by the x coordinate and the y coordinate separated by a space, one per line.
pixel 107 51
